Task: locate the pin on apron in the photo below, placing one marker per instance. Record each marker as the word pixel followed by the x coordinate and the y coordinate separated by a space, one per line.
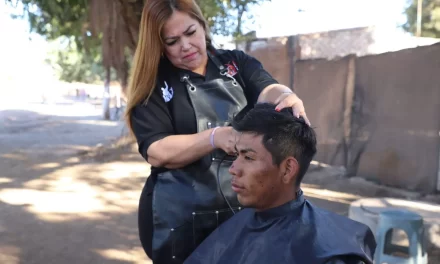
pixel 188 204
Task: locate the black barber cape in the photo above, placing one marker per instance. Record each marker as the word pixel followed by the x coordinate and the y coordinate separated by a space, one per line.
pixel 295 233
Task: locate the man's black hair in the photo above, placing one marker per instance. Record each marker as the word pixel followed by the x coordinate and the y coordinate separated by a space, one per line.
pixel 283 134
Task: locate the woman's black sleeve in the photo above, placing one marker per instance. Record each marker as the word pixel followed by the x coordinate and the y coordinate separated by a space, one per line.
pixel 151 122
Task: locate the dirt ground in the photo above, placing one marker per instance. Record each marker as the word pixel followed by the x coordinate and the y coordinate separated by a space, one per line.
pixel 56 205
pixel 78 203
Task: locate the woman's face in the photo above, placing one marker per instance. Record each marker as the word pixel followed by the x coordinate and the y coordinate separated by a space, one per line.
pixel 185 43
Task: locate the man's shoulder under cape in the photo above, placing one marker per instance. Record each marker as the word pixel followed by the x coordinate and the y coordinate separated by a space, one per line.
pixel 308 234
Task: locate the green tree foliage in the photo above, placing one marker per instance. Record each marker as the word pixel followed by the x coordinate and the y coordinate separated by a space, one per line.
pixel 215 13
pixel 226 17
pixel 241 8
pixel 70 65
pixel 74 54
pixel 105 31
pixel 430 18
pixel 53 19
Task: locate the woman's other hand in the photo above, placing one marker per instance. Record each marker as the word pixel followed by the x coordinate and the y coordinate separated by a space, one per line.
pixel 283 97
pixel 290 99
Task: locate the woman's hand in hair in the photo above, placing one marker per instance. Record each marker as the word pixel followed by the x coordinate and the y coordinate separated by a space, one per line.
pixel 283 97
pixel 225 139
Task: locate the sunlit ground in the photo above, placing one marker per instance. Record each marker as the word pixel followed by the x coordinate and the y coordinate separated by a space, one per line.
pixel 80 191
pixel 429 212
pixel 70 196
pixel 57 205
pixel 135 256
pixel 340 197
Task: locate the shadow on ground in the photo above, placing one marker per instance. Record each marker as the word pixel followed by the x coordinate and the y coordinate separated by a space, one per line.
pixel 72 211
pixel 62 198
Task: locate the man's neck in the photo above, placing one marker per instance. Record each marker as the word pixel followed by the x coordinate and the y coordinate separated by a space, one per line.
pixel 281 199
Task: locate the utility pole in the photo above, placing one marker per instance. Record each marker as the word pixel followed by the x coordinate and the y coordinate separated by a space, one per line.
pixel 419 18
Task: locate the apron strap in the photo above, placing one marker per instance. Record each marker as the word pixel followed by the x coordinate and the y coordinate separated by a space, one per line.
pixel 211 55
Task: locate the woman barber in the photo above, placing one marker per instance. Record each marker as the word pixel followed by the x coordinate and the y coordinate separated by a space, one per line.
pixel 182 94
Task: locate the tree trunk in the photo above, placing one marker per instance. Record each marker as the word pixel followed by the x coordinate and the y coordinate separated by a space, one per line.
pixel 106 96
pixel 238 32
pixel 123 76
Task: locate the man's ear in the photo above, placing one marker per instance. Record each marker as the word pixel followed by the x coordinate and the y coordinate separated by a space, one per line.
pixel 291 169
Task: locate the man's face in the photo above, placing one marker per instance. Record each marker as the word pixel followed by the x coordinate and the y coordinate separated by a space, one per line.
pixel 257 181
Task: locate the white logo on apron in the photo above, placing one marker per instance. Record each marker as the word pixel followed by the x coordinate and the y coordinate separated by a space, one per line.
pixel 167 93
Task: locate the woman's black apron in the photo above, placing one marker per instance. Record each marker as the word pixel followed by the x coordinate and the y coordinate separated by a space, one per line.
pixel 188 204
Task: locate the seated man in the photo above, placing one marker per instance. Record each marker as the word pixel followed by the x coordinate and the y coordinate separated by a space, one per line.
pixel 278 225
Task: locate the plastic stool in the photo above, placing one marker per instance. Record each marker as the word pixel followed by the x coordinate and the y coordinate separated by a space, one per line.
pixel 409 222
